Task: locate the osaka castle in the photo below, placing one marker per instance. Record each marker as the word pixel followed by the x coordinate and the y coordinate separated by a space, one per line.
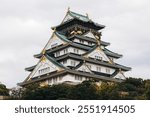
pixel 74 53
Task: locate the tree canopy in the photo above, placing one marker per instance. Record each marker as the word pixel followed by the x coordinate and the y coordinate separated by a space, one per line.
pixel 131 88
pixel 3 90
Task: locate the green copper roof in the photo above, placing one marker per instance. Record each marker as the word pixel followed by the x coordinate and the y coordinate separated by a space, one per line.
pixel 91 50
pixel 94 76
pixel 30 68
pixel 44 77
pixel 74 56
pixel 54 61
pixel 83 18
pixel 55 74
pixel 62 47
pixel 105 43
pixel 113 54
pixel 88 39
pixel 79 16
pixel 82 37
pixel 62 37
pixel 50 59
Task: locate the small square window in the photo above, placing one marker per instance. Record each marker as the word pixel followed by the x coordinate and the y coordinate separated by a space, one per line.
pixel 98 68
pixel 73 63
pixel 89 43
pixel 108 70
pixel 78 77
pixel 81 41
pixel 98 57
pixel 76 51
pixel 57 54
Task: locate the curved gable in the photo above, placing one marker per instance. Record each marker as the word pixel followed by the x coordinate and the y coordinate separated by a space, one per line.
pixel 54 41
pixel 44 66
pixel 120 75
pixel 84 68
pixel 90 35
pixel 98 54
pixel 67 18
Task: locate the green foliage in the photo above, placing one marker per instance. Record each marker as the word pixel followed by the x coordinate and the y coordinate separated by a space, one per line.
pixel 3 90
pixel 108 91
pixel 53 92
pixel 30 91
pixel 147 89
pixel 87 90
pixel 130 89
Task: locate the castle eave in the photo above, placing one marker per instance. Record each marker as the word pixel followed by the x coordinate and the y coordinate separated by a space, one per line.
pixel 70 22
pixel 74 72
pixel 103 63
pixel 30 68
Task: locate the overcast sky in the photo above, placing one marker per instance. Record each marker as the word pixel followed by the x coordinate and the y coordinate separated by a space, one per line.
pixel 25 28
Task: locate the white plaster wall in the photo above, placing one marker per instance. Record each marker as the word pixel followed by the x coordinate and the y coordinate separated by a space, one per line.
pixel 76 40
pixel 70 50
pixel 41 65
pixel 67 78
pixel 99 53
pixel 120 76
pixel 54 40
pixel 69 62
pixel 89 34
pixel 85 42
pixel 102 47
pixel 84 68
pixel 103 69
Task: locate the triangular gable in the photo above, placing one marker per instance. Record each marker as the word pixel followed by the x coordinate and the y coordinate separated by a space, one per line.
pixel 84 68
pixel 44 66
pixel 98 54
pixel 53 42
pixel 89 34
pixel 67 18
pixel 120 75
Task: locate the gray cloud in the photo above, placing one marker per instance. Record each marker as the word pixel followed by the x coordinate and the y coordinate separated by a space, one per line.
pixel 25 29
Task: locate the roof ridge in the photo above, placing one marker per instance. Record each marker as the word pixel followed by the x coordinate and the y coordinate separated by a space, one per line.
pixel 112 52
pixel 54 61
pixel 78 14
pixel 61 36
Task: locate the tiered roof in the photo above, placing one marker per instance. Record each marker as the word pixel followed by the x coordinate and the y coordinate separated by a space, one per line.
pixel 72 19
pixel 75 18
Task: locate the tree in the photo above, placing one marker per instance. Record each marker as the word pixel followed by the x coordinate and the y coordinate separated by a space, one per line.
pixel 131 88
pixel 87 90
pixel 108 91
pixel 3 90
pixel 147 89
pixel 134 88
pixel 54 92
pixel 29 91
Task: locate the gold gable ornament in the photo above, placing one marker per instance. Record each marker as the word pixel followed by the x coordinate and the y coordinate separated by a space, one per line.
pixel 110 62
pixel 97 37
pixel 79 32
pixel 43 51
pixel 43 59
